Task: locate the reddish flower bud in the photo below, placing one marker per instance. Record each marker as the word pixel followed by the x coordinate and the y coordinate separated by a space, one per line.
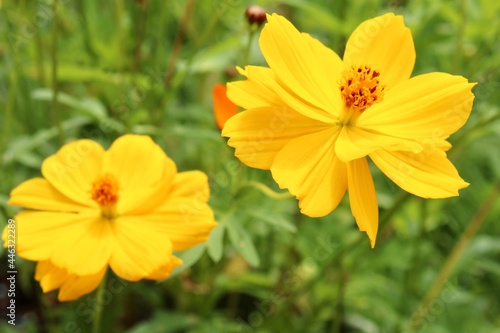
pixel 255 15
pixel 231 72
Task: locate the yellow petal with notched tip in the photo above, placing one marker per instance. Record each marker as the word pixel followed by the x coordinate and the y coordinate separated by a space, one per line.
pixel 384 44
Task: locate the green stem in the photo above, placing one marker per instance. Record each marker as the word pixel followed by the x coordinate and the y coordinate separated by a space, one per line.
pixel 87 38
pixel 267 191
pixel 339 302
pixel 141 29
pixel 176 48
pixel 40 58
pixel 99 305
pixel 55 88
pixel 119 34
pixel 251 33
pixel 460 37
pixel 474 225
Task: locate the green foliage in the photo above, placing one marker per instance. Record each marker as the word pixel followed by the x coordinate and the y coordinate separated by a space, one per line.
pixel 266 267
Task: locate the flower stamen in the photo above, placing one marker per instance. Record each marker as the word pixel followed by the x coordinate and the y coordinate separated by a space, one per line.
pixel 360 87
pixel 105 192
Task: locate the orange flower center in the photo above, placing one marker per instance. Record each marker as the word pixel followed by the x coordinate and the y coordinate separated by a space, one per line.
pixel 360 87
pixel 105 192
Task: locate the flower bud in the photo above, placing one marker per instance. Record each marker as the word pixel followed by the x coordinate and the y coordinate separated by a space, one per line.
pixel 255 15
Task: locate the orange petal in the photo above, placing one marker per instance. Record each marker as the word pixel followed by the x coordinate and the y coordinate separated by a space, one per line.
pixel 223 107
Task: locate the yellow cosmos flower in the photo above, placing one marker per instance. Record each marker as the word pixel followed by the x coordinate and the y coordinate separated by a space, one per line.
pixel 312 118
pixel 126 208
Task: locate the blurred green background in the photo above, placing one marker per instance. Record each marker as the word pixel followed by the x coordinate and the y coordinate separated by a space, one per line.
pixel 149 67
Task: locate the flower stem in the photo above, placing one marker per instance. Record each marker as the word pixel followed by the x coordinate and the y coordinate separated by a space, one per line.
pixel 267 191
pixel 176 48
pixel 474 225
pixel 99 305
pixel 120 50
pixel 251 33
pixel 55 90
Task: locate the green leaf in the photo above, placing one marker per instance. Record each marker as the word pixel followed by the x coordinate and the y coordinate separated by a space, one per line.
pixel 165 322
pixel 275 220
pixel 215 243
pixel 25 144
pixel 89 106
pixel 189 258
pixel 242 242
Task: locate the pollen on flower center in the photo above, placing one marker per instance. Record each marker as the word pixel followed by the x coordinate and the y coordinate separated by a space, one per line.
pixel 360 87
pixel 105 192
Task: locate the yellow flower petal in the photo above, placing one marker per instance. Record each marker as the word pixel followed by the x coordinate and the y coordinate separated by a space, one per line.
pixel 51 277
pixel 253 93
pixel 427 108
pixel 268 81
pixel 354 142
pixel 165 271
pixel 186 222
pixel 258 134
pixel 72 287
pixel 308 167
pixel 191 184
pixel 428 174
pixel 184 218
pixel 302 64
pixel 84 248
pixel 384 44
pixel 38 193
pixel 362 197
pixel 143 172
pixel 76 285
pixel 73 168
pixel 38 232
pixel 138 251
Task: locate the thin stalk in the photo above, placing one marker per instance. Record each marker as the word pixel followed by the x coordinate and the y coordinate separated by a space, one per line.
pixel 141 29
pixel 40 58
pixel 99 305
pixel 55 88
pixel 251 34
pixel 455 254
pixel 176 48
pixel 119 34
pixel 460 35
pixel 267 191
pixel 339 304
pixel 87 38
